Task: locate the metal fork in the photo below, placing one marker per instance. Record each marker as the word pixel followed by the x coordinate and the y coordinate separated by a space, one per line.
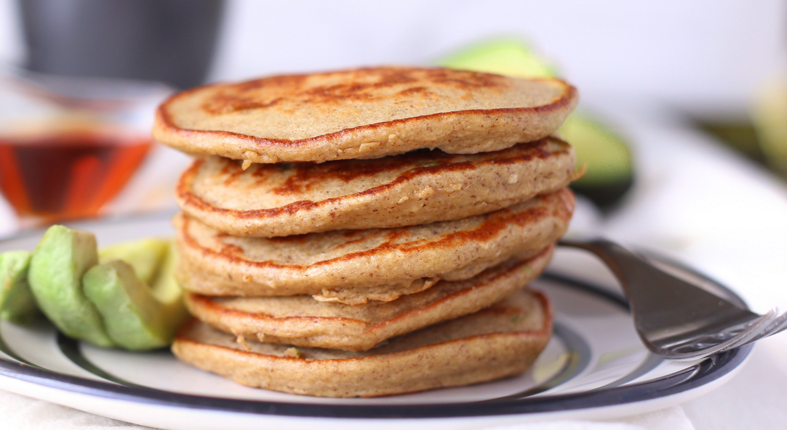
pixel 674 318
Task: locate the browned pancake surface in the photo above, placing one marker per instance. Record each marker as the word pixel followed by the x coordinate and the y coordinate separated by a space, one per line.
pixel 362 113
pixel 414 188
pixel 355 266
pixel 303 321
pixel 499 341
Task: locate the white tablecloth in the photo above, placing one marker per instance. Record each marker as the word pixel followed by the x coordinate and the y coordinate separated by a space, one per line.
pixel 693 200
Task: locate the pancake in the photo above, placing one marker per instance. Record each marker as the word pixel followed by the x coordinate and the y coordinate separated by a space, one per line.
pixel 414 188
pixel 354 266
pixel 500 341
pixel 362 113
pixel 303 321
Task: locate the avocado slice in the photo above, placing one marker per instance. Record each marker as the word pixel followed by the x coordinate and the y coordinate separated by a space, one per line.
pixel 17 303
pixel 144 255
pixel 166 288
pixel 137 317
pixel 55 276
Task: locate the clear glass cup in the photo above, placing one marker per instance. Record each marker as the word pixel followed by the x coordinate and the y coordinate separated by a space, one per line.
pixel 68 145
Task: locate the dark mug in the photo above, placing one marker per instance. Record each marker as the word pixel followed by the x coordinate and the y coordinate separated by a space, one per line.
pixel 169 41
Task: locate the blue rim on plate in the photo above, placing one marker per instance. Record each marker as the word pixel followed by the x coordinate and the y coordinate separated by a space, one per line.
pixel 685 379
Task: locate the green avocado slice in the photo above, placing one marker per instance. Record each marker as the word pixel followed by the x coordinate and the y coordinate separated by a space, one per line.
pixel 166 288
pixel 137 317
pixel 17 303
pixel 55 276
pixel 144 255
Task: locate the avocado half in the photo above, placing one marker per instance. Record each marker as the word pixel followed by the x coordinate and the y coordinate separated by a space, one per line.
pixel 609 170
pixel 605 155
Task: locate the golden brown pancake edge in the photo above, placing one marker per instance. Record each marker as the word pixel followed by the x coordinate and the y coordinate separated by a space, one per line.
pixel 303 321
pixel 362 113
pixel 409 189
pixel 358 262
pixel 494 343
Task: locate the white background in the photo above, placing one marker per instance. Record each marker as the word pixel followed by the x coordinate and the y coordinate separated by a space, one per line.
pixel 693 199
pixel 698 54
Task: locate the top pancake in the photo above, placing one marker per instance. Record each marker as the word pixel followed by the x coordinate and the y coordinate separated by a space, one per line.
pixel 362 113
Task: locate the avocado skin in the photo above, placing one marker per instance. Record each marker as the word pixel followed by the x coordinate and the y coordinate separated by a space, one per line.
pixel 17 303
pixel 606 156
pixel 55 276
pixel 606 196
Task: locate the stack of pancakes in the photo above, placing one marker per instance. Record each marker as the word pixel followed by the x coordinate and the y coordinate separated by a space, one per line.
pixel 368 232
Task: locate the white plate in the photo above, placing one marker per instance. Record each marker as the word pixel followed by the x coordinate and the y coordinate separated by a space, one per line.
pixel 594 367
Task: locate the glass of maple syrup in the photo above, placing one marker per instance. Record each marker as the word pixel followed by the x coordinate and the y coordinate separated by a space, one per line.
pixel 68 146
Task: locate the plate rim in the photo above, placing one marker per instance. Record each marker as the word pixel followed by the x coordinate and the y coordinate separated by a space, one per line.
pixel 700 374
